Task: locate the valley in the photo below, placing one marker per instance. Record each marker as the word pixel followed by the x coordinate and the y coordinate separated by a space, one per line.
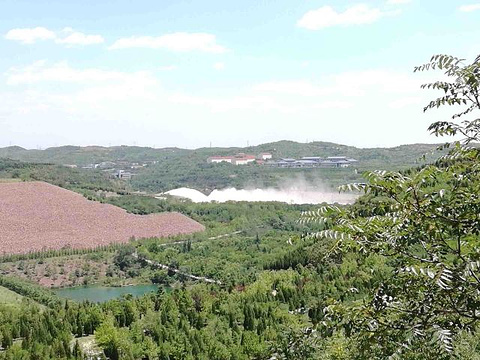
pixel 236 270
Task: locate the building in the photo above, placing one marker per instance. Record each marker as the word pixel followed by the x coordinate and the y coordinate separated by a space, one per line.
pixel 219 159
pixel 284 163
pixel 243 159
pixel 105 165
pixel 136 166
pixel 313 161
pixel 124 175
pixel 265 156
pixel 239 159
pixel 340 161
pixel 306 163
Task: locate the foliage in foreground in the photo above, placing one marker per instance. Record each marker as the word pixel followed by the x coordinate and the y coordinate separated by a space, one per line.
pixel 427 225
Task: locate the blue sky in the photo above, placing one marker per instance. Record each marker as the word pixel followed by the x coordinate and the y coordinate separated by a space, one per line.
pixel 187 73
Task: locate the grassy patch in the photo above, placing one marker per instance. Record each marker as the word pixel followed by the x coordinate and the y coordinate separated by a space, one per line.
pixel 8 297
pixel 9 180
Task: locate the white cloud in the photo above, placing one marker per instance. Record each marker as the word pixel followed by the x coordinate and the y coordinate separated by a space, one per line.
pixel 225 104
pixel 61 72
pixel 340 91
pixel 219 66
pixel 58 90
pixel 295 87
pixel 405 102
pixel 347 84
pixel 56 102
pixel 361 83
pixel 333 105
pixel 326 16
pixel 180 42
pixel 470 7
pixel 30 35
pixel 398 2
pixel 78 38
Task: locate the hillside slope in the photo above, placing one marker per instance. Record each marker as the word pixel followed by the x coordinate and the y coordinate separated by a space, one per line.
pixel 35 216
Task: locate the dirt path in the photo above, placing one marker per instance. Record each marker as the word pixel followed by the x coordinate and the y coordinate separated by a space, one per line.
pixel 176 271
pixel 210 238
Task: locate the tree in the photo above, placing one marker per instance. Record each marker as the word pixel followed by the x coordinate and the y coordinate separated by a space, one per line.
pixel 111 339
pixel 124 258
pixel 295 344
pixel 427 226
pixel 463 91
pixel 77 351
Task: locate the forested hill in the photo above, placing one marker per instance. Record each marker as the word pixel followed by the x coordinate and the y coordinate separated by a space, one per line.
pixel 404 156
pixel 158 170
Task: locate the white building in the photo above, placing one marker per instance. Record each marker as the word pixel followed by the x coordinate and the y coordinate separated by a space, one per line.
pixel 239 159
pixel 244 160
pixel 124 175
pixel 219 159
pixel 265 156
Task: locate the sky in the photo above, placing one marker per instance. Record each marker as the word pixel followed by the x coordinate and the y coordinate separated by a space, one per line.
pixel 191 73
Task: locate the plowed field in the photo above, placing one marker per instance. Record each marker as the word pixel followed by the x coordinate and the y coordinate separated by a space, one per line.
pixel 36 216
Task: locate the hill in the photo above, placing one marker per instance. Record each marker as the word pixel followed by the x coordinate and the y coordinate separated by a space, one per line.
pixel 87 155
pixel 159 170
pixel 404 154
pixel 36 216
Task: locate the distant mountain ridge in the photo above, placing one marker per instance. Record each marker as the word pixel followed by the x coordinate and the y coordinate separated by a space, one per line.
pixel 158 170
pixel 404 155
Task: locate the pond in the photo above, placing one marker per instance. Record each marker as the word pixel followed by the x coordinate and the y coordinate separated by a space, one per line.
pixel 103 293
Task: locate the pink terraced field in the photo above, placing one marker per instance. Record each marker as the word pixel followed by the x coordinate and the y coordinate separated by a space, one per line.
pixel 36 216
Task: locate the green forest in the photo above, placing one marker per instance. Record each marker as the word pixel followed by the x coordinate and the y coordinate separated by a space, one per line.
pixel 396 275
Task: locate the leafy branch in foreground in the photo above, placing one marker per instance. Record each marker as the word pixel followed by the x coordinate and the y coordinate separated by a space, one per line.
pixel 464 90
pixel 427 225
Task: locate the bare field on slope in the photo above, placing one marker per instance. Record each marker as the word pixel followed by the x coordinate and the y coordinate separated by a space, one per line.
pixel 37 216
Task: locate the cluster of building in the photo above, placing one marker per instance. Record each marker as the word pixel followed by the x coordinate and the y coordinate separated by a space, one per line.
pixel 267 159
pixel 241 159
pixel 121 169
pixel 313 161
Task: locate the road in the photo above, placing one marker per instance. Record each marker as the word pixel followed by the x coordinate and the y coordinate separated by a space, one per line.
pixel 210 238
pixel 176 271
